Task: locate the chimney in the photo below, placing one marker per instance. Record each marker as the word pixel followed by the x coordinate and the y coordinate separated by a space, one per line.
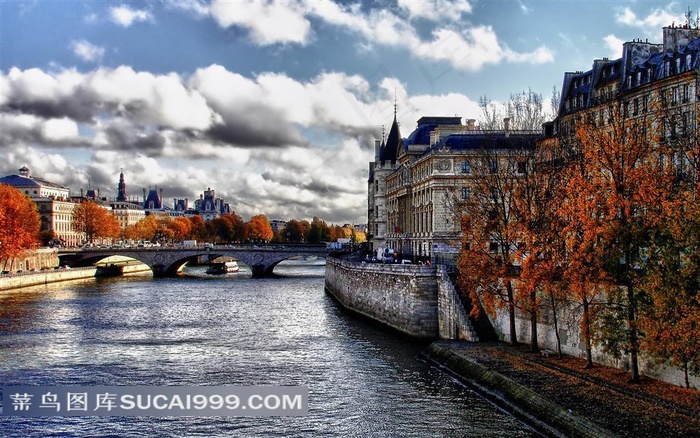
pixel 470 124
pixel 82 192
pixel 506 125
pixel 377 145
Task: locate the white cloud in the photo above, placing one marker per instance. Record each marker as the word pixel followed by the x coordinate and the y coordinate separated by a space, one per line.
pixel 467 48
pixel 60 130
pixel 274 22
pixel 86 51
pixel 614 45
pixel 436 10
pixel 316 136
pixel 125 16
pixel 657 18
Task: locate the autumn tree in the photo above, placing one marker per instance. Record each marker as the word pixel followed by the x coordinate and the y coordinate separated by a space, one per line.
pixel 258 228
pixel 538 228
pixel 19 223
pixel 180 227
pixel 670 316
pixel 94 221
pixel 490 260
pixel 229 228
pixel 145 229
pixel 293 231
pixel 626 175
pixel 197 230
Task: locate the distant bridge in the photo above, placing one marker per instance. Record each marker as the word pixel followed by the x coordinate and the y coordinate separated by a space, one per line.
pixel 167 261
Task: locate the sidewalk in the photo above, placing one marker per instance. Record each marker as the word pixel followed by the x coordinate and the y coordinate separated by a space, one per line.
pixel 600 397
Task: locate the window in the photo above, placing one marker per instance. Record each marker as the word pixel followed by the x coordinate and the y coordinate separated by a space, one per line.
pixel 493 166
pixel 688 61
pixel 466 167
pixel 522 167
pixel 493 246
pixel 466 191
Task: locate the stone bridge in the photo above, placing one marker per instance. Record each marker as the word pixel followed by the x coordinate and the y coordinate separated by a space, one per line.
pixel 166 261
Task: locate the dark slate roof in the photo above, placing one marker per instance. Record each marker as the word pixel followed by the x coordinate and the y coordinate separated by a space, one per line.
pixel 393 144
pixel 421 135
pixel 152 197
pixel 485 140
pixel 23 181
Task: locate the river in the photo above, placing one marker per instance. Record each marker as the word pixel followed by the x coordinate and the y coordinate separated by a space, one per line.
pixel 363 380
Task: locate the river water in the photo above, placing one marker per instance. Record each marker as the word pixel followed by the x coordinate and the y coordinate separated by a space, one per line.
pixel 363 380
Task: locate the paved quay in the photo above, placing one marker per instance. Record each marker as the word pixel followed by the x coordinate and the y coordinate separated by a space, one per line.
pixel 559 398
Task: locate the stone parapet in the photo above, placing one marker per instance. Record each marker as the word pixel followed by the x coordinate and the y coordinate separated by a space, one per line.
pixel 403 297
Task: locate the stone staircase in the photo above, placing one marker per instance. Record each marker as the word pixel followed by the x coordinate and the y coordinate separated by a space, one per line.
pixel 453 320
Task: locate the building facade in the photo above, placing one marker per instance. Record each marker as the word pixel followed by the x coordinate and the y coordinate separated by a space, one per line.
pixel 53 202
pixel 656 83
pixel 210 207
pixel 417 185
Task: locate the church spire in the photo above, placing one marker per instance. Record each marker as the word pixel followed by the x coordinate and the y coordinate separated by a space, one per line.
pixel 121 187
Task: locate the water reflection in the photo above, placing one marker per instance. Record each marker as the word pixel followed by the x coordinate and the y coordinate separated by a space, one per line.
pixel 363 381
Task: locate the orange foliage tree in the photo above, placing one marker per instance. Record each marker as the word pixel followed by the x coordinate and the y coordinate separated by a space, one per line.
pixel 625 181
pixel 180 228
pixel 19 223
pixel 94 221
pixel 258 228
pixel 490 259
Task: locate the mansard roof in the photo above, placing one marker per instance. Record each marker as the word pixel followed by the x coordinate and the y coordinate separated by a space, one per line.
pixel 427 124
pixel 486 140
pixel 153 197
pixel 641 63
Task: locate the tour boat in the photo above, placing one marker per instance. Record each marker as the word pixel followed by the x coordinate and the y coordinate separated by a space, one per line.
pixel 223 267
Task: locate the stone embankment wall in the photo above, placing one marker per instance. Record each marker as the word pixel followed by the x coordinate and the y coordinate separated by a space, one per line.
pixel 36 259
pixel 40 278
pixel 569 323
pixel 414 299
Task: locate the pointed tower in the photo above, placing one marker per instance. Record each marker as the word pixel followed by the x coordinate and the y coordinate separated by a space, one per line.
pixel 393 144
pixel 121 188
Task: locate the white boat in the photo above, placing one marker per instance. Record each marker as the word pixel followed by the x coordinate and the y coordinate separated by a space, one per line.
pixel 223 268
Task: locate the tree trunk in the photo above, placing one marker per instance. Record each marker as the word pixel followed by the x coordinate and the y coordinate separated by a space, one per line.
pixel 511 313
pixel 587 334
pixel 534 347
pixel 633 334
pixel 555 319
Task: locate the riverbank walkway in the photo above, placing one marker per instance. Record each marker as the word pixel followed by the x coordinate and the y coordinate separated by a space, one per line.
pixel 602 396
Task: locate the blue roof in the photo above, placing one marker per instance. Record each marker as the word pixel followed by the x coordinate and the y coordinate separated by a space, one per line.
pixel 23 181
pixel 486 140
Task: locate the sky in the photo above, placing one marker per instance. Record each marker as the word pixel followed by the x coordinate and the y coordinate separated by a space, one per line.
pixel 275 105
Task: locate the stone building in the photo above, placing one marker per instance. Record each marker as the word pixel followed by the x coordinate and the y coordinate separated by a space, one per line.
pixel 211 207
pixel 53 203
pixel 127 212
pixel 656 81
pixel 416 183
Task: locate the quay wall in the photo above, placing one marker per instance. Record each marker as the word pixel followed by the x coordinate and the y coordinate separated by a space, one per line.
pixel 404 297
pixel 40 278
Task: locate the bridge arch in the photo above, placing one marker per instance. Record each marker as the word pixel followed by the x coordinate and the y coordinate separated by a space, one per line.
pixel 168 261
